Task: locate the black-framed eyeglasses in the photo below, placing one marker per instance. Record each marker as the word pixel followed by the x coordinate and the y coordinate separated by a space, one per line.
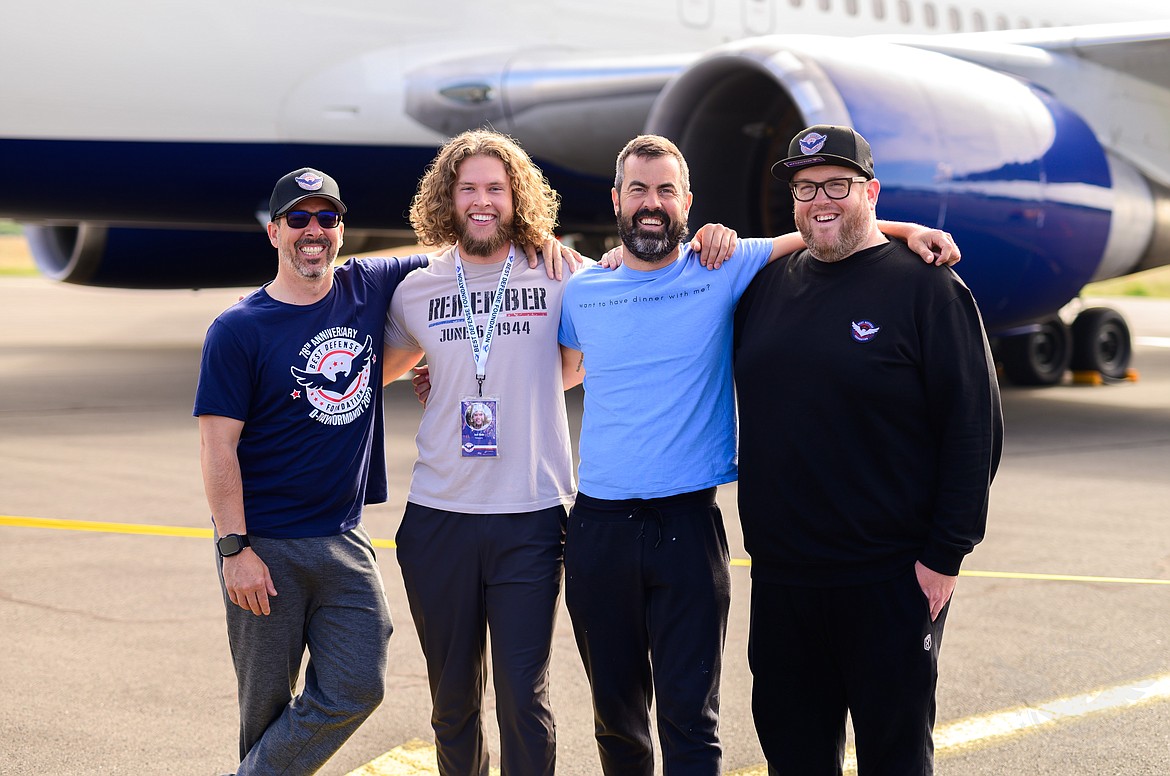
pixel 834 188
pixel 299 219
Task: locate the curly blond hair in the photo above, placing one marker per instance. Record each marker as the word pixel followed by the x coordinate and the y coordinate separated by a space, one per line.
pixel 534 202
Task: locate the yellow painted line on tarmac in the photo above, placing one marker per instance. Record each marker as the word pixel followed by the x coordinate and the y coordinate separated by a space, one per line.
pixel 124 528
pixel 101 527
pixel 1030 575
pixel 417 758
pixel 1062 577
pixel 205 533
pixel 414 758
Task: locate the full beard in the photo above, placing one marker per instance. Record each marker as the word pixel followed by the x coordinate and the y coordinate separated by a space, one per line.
pixel 483 246
pixel 645 244
pixel 852 232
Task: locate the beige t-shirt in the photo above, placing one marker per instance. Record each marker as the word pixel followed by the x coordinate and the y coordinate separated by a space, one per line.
pixel 534 467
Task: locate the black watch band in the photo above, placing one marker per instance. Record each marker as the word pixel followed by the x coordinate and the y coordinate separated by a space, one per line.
pixel 232 544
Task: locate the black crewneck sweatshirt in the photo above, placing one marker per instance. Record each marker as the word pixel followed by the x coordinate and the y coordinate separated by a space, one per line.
pixel 870 423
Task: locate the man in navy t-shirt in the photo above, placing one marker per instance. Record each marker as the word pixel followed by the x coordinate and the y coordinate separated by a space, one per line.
pixel 292 445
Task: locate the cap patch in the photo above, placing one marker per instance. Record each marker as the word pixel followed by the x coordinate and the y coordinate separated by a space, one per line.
pixel 310 181
pixel 812 142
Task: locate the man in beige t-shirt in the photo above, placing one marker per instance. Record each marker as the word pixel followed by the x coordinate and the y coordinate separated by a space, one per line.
pixel 480 543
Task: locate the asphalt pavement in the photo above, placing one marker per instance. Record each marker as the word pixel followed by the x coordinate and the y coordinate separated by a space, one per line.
pixel 115 659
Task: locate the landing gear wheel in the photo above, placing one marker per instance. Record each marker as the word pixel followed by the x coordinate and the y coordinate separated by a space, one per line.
pixel 1101 343
pixel 1040 357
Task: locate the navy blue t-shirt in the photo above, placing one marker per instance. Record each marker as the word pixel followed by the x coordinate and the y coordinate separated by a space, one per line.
pixel 307 382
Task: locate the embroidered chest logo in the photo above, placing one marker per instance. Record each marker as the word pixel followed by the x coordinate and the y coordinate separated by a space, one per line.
pixel 864 331
pixel 336 376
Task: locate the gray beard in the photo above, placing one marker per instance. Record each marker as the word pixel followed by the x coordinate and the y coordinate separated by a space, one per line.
pixel 313 273
pixel 649 247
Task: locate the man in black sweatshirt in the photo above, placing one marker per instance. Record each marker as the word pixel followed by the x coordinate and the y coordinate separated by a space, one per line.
pixel 870 430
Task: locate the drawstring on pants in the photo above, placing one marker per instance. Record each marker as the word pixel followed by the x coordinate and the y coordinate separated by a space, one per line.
pixel 656 514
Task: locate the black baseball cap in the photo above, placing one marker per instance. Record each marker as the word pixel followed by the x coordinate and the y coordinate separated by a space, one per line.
pixel 825 144
pixel 300 185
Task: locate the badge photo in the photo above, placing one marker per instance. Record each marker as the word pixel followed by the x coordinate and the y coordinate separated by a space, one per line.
pixel 479 420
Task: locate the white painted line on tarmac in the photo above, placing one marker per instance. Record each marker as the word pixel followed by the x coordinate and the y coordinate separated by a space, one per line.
pixel 985 729
pixel 417 758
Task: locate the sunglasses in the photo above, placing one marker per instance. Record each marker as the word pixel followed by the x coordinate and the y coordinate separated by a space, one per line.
pixel 299 219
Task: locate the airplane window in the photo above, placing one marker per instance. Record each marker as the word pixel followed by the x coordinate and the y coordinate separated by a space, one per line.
pixel 824 5
pixel 1025 24
pixel 978 22
pixel 879 9
pixel 929 15
pixel 794 3
pixel 1001 22
pixel 851 7
pixel 956 19
pixel 904 11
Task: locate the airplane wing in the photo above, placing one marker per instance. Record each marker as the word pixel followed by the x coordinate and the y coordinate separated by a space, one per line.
pixel 1116 75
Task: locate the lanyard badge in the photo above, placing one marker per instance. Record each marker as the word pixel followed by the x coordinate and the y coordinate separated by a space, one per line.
pixel 479 415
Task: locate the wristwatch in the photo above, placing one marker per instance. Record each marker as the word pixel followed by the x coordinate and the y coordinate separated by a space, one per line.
pixel 232 544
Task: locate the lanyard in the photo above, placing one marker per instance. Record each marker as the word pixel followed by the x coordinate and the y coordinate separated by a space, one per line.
pixel 481 350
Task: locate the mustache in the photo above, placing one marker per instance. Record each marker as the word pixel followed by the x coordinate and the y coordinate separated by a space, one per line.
pixel 325 241
pixel 657 213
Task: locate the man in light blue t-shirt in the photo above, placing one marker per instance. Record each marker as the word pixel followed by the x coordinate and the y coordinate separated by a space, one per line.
pixel 647 576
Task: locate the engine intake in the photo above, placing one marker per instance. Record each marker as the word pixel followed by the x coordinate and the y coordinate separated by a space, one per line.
pixel 1037 205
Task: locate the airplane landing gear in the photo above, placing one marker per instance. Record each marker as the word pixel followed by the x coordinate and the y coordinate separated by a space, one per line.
pixel 1098 341
pixel 1101 343
pixel 1038 357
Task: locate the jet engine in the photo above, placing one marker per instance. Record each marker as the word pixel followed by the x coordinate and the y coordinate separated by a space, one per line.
pixel 139 257
pixel 1037 205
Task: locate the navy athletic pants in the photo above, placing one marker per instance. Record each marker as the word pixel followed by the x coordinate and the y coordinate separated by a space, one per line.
pixel 648 586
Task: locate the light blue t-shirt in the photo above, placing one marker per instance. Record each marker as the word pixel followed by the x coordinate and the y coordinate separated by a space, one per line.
pixel 659 400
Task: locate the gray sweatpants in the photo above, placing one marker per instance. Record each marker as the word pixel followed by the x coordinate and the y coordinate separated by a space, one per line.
pixel 330 600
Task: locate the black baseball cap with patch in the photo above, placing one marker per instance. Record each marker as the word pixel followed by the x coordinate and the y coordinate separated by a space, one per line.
pixel 300 185
pixel 825 144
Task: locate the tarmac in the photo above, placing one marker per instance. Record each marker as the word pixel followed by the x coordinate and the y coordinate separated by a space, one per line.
pixel 115 659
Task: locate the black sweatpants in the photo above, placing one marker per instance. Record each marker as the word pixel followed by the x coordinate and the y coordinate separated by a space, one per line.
pixel 819 653
pixel 648 586
pixel 466 574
